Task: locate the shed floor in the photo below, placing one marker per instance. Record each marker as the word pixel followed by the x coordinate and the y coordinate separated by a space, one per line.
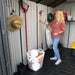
pixel 67 67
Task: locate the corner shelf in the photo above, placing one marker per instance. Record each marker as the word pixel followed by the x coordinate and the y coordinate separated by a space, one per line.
pixel 70 21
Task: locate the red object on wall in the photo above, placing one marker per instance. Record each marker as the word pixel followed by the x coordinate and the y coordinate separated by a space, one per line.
pixel 65 16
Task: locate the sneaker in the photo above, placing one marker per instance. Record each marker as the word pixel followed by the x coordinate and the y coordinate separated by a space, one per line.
pixel 53 58
pixel 58 62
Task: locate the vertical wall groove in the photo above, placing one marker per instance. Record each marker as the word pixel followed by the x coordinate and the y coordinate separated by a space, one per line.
pixel 37 23
pixel 20 33
pixel 5 50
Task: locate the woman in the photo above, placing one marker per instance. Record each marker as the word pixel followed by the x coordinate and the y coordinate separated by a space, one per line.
pixel 58 27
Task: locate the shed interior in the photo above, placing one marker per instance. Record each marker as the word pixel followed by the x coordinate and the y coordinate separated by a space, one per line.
pixel 17 40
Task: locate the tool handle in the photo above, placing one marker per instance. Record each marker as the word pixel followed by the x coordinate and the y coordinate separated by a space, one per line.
pixel 21 1
pixel 41 31
pixel 26 34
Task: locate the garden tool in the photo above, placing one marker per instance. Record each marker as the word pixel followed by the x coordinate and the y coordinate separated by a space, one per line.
pixel 25 7
pixel 41 29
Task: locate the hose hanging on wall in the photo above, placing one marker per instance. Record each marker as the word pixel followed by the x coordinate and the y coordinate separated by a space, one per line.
pixel 50 17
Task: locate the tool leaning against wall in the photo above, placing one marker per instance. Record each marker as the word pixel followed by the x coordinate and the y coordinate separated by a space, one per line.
pixel 25 9
pixel 50 18
pixel 41 29
pixel 48 34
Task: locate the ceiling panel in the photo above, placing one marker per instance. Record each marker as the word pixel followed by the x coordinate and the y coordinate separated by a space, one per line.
pixel 52 3
pixel 47 2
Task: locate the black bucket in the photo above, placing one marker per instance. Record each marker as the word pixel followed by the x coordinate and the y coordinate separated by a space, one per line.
pixel 73 52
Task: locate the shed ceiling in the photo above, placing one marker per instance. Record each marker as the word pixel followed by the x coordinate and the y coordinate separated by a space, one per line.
pixel 51 3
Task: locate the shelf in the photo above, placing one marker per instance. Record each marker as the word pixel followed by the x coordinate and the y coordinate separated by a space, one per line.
pixel 70 21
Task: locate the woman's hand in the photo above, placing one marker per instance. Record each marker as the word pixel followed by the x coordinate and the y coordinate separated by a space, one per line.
pixel 46 23
pixel 56 33
pixel 41 20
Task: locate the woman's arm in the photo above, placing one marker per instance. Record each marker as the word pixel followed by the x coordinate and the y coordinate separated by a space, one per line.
pixel 49 28
pixel 45 22
pixel 51 23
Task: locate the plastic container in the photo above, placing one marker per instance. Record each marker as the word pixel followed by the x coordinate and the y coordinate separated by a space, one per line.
pixel 35 63
pixel 69 18
pixel 73 18
pixel 34 53
pixel 73 52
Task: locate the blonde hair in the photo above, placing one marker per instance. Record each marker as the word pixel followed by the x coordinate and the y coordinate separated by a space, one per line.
pixel 60 16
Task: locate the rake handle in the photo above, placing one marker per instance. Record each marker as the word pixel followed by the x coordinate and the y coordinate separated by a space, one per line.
pixel 26 34
pixel 41 31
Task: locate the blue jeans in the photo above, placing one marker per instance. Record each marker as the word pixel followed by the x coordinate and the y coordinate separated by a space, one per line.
pixel 55 45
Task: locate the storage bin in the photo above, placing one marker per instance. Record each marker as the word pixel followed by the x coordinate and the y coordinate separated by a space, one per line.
pixel 73 49
pixel 73 18
pixel 73 52
pixel 69 18
pixel 35 63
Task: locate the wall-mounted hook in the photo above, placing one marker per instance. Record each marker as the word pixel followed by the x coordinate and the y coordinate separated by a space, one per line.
pixel 12 11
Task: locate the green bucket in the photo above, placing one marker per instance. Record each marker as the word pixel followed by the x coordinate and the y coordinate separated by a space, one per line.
pixel 50 17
